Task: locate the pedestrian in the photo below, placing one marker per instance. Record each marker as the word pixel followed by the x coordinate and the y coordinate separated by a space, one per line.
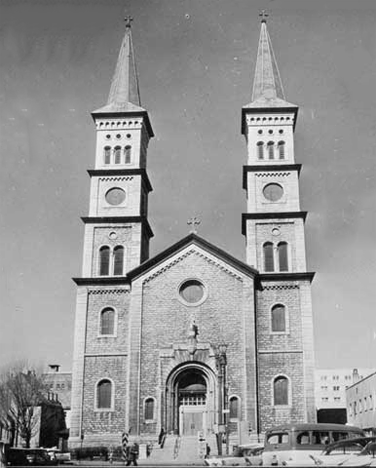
pixel 162 438
pixel 132 454
pixel 111 454
pixel 207 451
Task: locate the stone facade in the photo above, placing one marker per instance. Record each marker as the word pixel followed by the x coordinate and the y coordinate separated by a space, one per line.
pixel 189 340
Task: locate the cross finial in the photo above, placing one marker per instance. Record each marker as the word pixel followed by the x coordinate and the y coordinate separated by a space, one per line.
pixel 193 222
pixel 263 14
pixel 128 19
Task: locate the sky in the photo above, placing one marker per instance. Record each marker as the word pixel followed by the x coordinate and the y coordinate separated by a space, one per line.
pixel 196 61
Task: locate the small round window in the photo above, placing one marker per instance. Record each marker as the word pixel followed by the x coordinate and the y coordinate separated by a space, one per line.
pixel 192 292
pixel 273 192
pixel 115 196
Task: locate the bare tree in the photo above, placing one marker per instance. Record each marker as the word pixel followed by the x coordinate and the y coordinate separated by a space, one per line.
pixel 21 392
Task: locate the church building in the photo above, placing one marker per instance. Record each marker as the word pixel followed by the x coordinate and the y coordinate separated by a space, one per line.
pixel 192 339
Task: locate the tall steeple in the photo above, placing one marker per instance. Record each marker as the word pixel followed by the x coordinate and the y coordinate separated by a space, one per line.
pixel 124 92
pixel 267 85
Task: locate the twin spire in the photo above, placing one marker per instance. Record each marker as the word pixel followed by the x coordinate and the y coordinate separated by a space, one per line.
pixel 124 92
pixel 125 95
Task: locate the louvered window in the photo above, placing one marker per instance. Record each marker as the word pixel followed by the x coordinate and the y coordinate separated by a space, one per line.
pixel 118 260
pixel 117 152
pixel 283 256
pixel 104 261
pixel 268 257
pixel 260 150
pixel 271 150
pixel 107 155
pixel 127 153
pixel 281 149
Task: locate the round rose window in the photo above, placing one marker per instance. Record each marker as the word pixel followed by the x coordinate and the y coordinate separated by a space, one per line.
pixel 115 196
pixel 273 192
pixel 192 291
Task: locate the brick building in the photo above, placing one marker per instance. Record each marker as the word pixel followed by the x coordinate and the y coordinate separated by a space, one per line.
pixel 192 338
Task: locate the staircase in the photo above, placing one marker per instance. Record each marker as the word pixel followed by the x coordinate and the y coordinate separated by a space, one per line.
pixel 181 451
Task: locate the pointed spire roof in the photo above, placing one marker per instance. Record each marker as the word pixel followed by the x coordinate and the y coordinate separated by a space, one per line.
pixel 124 93
pixel 267 85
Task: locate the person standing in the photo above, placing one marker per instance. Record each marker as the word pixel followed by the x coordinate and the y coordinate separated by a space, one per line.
pixel 132 454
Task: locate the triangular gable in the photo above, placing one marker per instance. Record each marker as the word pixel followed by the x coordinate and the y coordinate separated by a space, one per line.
pixel 194 240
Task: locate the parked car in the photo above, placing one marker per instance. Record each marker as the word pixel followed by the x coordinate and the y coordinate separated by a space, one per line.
pixel 27 457
pixel 58 455
pixel 354 452
pixel 244 455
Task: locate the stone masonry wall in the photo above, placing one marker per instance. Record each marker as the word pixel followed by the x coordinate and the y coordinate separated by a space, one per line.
pixel 165 319
pixel 99 299
pixel 97 422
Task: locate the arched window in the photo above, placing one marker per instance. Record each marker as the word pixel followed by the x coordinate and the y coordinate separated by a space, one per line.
pixel 127 153
pixel 271 150
pixel 118 260
pixel 281 390
pixel 278 318
pixel 107 322
pixel 234 407
pixel 281 149
pixel 268 256
pixel 117 154
pixel 104 261
pixel 104 394
pixel 149 409
pixel 107 155
pixel 283 256
pixel 260 150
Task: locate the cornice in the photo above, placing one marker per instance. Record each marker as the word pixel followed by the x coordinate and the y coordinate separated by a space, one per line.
pixel 104 281
pixel 267 110
pixel 119 220
pixel 288 276
pixel 269 168
pixel 274 215
pixel 120 114
pixel 122 172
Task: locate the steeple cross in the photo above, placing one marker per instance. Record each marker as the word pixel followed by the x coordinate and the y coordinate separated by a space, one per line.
pixel 193 222
pixel 128 19
pixel 263 14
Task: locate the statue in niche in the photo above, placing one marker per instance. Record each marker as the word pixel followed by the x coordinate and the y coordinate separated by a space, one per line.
pixel 193 330
pixel 192 337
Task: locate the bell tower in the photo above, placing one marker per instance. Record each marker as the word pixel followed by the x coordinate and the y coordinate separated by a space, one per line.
pixel 117 231
pixel 273 226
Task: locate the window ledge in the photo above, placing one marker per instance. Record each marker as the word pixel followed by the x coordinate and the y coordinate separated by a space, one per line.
pixel 104 410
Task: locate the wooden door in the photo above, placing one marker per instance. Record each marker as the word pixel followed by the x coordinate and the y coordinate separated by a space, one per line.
pixel 192 423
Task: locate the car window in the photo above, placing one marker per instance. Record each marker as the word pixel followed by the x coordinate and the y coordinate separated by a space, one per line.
pixel 345 449
pixel 340 436
pixel 370 449
pixel 279 438
pixel 320 438
pixel 303 438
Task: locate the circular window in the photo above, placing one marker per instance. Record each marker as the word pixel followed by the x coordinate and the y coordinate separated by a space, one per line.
pixel 192 292
pixel 118 136
pixel 115 196
pixel 273 192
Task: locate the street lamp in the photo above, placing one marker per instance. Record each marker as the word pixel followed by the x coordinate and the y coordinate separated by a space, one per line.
pixel 221 363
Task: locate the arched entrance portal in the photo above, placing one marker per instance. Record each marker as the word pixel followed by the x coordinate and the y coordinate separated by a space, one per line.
pixel 190 400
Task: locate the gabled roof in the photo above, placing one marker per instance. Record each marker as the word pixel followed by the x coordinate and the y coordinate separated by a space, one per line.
pixel 267 85
pixel 124 93
pixel 192 239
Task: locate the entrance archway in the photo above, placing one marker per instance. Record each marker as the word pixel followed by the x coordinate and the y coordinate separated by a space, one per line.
pixel 190 402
